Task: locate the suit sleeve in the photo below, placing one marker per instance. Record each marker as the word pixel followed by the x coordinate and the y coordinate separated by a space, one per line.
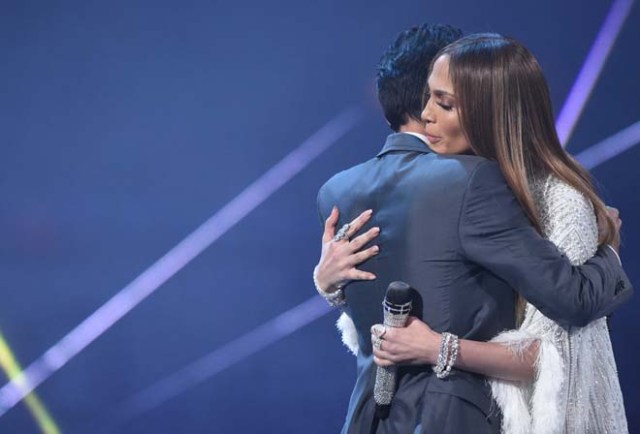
pixel 496 234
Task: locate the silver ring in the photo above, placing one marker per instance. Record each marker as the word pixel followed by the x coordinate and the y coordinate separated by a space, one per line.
pixel 378 330
pixel 342 233
pixel 384 332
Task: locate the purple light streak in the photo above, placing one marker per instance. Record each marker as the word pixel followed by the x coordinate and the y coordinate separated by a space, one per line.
pixel 591 69
pixel 610 147
pixel 174 260
pixel 225 356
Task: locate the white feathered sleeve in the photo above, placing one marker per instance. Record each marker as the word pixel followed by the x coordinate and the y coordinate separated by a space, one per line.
pixel 539 407
pixel 347 330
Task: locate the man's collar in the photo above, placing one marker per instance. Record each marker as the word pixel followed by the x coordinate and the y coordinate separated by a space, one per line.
pixel 420 136
pixel 408 142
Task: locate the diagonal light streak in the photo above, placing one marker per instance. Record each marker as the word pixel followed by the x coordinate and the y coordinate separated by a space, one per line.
pixel 34 404
pixel 610 147
pixel 227 355
pixel 591 69
pixel 178 257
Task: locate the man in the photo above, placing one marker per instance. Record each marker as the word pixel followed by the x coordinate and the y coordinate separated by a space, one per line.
pixel 452 230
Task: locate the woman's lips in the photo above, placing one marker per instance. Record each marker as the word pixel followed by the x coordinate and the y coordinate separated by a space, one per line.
pixel 432 139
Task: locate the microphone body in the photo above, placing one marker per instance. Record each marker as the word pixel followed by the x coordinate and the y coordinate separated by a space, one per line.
pixel 397 307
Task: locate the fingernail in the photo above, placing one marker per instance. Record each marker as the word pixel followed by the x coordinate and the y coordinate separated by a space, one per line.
pixel 376 229
pixel 376 249
pixel 369 211
pixel 377 329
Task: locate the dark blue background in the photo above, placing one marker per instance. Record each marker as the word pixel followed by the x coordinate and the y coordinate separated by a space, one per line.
pixel 126 124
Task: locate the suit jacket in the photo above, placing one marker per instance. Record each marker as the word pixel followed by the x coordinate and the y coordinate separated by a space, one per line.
pixel 452 229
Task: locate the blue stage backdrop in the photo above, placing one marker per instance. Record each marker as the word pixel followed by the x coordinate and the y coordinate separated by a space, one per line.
pixel 126 125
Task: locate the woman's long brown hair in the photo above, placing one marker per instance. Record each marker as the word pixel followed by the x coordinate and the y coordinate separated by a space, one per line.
pixel 505 110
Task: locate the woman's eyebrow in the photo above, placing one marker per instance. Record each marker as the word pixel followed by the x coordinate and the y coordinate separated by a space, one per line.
pixel 440 93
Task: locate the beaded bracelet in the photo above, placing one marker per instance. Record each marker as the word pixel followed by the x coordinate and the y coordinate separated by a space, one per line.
pixel 335 298
pixel 452 358
pixel 443 355
pixel 447 356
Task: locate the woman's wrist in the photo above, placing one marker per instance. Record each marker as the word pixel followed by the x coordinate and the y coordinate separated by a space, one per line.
pixel 332 294
pixel 433 348
pixel 321 285
pixel 447 355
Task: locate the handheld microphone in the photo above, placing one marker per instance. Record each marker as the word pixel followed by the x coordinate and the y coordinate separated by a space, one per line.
pixel 396 306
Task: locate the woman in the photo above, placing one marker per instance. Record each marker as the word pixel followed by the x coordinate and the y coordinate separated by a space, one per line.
pixel 487 94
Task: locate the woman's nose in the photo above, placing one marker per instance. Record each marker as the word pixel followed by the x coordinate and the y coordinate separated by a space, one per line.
pixel 427 113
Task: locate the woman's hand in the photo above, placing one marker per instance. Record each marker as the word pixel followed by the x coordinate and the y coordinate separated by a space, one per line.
pixel 615 216
pixel 339 258
pixel 415 344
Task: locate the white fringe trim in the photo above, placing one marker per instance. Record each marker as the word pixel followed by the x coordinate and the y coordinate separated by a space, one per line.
pixel 547 414
pixel 531 408
pixel 349 334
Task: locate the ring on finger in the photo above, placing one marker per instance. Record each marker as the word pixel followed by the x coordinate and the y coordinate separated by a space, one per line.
pixel 378 330
pixel 384 332
pixel 343 233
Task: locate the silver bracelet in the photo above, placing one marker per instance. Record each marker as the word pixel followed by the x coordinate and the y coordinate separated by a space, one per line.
pixel 449 346
pixel 335 298
pixel 443 354
pixel 453 355
pixel 455 346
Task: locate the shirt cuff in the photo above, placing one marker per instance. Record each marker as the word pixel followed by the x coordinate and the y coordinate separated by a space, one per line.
pixel 615 253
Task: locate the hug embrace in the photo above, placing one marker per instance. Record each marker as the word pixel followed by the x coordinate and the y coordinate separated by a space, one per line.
pixel 511 255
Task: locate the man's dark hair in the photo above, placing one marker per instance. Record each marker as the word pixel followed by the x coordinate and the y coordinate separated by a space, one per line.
pixel 404 68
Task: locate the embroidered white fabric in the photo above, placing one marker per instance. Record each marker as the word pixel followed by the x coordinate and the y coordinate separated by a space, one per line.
pixel 576 390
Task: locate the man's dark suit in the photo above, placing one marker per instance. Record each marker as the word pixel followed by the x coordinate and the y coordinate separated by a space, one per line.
pixel 453 230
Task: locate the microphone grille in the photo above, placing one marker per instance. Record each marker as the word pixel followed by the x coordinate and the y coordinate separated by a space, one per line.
pixel 398 293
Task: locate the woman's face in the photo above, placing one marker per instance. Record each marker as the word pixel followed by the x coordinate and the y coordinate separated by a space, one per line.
pixel 442 123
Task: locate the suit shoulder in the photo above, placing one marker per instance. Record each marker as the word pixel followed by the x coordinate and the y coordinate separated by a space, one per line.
pixel 338 186
pixel 482 170
pixel 465 168
pixel 472 162
pixel 344 178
